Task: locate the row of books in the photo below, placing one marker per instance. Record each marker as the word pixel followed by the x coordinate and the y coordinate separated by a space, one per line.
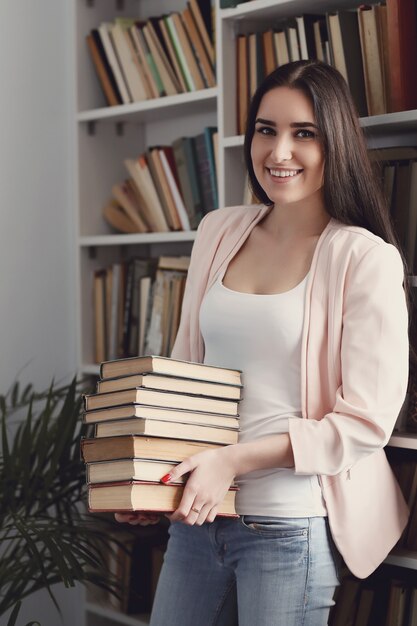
pixel 133 560
pixel 398 170
pixel 137 60
pixel 374 47
pixel 137 306
pixel 404 465
pixel 150 413
pixel 168 188
pixel 375 603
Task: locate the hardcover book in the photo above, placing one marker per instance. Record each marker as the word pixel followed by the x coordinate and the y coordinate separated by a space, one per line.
pixel 140 496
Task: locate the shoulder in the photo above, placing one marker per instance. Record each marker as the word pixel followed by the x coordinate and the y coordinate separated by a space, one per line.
pixel 359 242
pixel 358 247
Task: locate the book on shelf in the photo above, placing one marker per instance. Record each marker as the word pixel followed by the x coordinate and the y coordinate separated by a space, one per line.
pixel 131 446
pixel 130 562
pixel 165 70
pixel 129 203
pixel 206 168
pixel 399 181
pixel 109 49
pixel 242 79
pixel 147 470
pixel 169 399
pixel 173 430
pixel 188 54
pixel 100 317
pixel 190 170
pixel 169 168
pixel 203 16
pixel 293 40
pixel 171 383
pixel 118 307
pixel 164 311
pixel 148 198
pixel 127 59
pixel 268 51
pixel 171 46
pixel 372 60
pixel 141 496
pixel 130 411
pixel 162 188
pixel 402 46
pixel 103 69
pixel 150 74
pixel 346 46
pixel 200 51
pixel 281 49
pixel 396 604
pixel 116 217
pixel 169 367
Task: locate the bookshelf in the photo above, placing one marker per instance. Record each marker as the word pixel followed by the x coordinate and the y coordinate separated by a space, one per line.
pixel 104 136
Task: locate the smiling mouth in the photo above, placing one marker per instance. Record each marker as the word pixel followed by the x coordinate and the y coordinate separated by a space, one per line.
pixel 286 174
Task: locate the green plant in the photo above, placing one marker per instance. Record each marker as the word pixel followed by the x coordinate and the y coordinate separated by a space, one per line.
pixel 46 536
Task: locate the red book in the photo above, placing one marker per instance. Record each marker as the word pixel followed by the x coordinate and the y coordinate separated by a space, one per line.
pixel 402 44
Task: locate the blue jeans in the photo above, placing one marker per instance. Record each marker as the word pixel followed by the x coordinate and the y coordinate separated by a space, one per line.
pixel 250 571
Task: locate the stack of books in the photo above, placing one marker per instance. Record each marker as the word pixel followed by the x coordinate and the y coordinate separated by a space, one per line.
pixel 151 413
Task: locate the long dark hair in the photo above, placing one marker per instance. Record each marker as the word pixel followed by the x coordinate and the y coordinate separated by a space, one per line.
pixel 352 192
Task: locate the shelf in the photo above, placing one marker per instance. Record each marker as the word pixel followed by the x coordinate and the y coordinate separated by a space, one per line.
pixel 233 142
pixel 116 616
pixel 90 368
pixel 402 558
pixel 270 9
pixel 141 239
pixel 151 110
pixel 404 440
pixel 403 121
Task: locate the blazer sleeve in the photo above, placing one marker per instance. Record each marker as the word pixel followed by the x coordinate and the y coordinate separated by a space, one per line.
pixel 374 370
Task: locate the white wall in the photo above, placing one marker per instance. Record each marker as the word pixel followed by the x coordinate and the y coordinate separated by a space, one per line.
pixel 37 293
pixel 36 232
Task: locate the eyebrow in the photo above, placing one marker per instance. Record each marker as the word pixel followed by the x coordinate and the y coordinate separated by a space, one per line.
pixel 260 120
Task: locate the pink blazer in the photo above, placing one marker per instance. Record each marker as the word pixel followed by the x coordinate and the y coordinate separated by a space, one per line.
pixel 354 371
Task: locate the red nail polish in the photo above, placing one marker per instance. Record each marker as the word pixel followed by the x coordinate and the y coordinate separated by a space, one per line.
pixel 166 478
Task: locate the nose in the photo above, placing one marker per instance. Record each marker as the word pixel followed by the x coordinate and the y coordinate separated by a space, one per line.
pixel 282 148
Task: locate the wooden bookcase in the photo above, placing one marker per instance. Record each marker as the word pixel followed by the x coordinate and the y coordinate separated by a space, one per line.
pixel 104 136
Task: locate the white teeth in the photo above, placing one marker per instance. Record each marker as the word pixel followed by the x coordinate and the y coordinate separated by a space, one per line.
pixel 284 173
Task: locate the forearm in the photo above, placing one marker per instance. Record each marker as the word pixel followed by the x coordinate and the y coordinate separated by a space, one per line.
pixel 265 453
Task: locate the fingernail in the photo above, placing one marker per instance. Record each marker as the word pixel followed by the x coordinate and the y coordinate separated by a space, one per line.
pixel 166 478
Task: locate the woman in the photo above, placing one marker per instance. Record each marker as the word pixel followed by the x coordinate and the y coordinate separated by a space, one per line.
pixel 304 294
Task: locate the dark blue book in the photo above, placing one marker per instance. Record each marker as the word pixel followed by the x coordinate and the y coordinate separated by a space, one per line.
pixel 203 165
pixel 190 153
pixel 208 133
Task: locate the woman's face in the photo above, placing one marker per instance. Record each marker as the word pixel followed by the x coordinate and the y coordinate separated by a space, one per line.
pixel 287 151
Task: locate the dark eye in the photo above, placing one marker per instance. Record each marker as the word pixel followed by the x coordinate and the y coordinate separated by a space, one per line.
pixel 305 134
pixel 265 130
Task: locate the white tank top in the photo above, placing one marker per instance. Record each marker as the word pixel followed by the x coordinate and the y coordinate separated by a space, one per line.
pixel 261 335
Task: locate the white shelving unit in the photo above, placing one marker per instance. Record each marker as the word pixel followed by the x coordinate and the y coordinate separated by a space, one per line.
pixel 105 136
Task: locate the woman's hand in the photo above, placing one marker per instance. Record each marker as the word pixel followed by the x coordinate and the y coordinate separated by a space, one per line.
pixel 141 518
pixel 211 474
